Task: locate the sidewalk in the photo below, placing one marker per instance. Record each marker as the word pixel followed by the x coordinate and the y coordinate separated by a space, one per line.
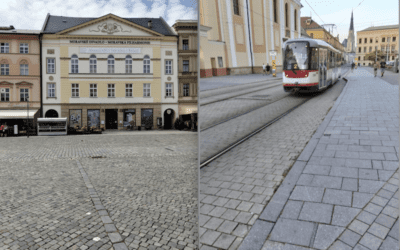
pixel 233 80
pixel 342 192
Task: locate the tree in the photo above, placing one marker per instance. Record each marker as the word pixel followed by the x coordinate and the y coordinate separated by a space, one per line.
pixel 371 56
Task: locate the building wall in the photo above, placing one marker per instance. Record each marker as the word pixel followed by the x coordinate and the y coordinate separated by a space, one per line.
pixel 376 34
pixel 245 40
pixel 15 81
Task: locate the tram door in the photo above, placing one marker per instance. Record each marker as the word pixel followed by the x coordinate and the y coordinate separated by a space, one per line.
pixel 322 67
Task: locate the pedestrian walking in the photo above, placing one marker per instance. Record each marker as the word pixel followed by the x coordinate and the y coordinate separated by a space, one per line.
pixel 268 69
pixel 352 66
pixel 1 130
pixel 376 67
pixel 383 66
pixel 264 69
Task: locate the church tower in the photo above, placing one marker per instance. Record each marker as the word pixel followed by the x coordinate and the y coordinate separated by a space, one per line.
pixel 351 44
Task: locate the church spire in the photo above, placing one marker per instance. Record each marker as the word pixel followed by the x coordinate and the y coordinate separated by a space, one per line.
pixel 351 22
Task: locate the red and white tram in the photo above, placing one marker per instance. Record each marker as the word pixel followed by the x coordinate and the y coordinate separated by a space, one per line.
pixel 310 65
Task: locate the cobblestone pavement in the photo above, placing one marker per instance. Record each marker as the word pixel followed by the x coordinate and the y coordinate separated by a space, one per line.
pixel 235 188
pixel 342 192
pixel 214 113
pixel 389 76
pixel 233 80
pixel 142 193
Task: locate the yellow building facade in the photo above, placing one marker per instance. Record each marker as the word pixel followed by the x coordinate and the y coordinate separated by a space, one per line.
pixel 110 72
pixel 236 37
pixel 381 38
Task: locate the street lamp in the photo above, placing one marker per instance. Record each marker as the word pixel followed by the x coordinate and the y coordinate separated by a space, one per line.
pixel 27 120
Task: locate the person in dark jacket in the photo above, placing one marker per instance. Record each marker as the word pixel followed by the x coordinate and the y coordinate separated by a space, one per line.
pixel 268 69
pixel 383 66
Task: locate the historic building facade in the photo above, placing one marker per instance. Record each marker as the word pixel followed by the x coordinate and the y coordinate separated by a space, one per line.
pixel 316 31
pixel 380 38
pixel 188 67
pixel 236 37
pixel 19 76
pixel 110 72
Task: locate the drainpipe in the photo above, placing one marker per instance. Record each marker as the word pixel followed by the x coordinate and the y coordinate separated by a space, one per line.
pixel 248 24
pixel 41 79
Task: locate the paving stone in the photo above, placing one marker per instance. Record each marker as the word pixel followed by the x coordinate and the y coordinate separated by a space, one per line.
pixel 350 238
pixel 326 235
pixel 368 174
pixel 338 245
pixel 394 232
pixel 305 180
pixel 342 216
pixel 392 212
pixel 224 241
pixel 316 212
pixel 385 220
pixel 369 186
pixel 385 175
pixel 389 244
pixel 355 163
pixel 227 227
pixel 337 197
pixel 292 231
pixel 366 217
pixel 314 169
pixel 241 230
pixel 213 223
pixel 390 165
pixel 360 247
pixel 304 193
pixel 344 172
pixel 292 209
pixel 326 181
pixel 380 201
pixel 257 235
pixel 371 241
pixel 378 230
pixel 358 227
pixel 350 184
pixel 209 237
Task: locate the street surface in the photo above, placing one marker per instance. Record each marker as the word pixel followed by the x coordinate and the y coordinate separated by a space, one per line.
pixel 388 76
pixel 235 188
pixel 116 191
pixel 233 80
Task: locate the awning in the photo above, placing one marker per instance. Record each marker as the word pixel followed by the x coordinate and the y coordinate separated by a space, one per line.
pixel 187 109
pixel 17 114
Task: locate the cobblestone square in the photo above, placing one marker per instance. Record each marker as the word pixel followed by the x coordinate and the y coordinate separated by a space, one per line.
pixel 110 191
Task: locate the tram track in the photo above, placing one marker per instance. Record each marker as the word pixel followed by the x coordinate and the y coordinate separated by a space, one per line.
pixel 208 160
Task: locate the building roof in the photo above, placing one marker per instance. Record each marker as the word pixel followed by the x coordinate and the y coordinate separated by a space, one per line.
pixel 12 30
pixel 312 25
pixel 55 24
pixel 385 27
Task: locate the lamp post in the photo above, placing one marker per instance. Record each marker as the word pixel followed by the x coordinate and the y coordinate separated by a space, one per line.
pixel 387 49
pixel 27 120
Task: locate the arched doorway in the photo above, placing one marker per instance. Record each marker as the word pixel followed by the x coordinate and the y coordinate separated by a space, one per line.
pixel 169 115
pixel 51 113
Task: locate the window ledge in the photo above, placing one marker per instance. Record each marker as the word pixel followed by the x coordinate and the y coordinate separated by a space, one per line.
pixel 51 97
pixel 93 96
pixel 128 96
pixel 147 96
pixel 172 97
pixel 110 96
pixel 74 96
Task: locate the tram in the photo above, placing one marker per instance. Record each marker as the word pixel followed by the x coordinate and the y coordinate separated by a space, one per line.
pixel 310 65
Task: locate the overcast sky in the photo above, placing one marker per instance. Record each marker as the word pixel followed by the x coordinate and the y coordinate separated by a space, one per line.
pixel 367 14
pixel 24 14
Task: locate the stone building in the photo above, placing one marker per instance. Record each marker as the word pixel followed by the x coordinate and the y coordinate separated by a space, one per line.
pixel 383 38
pixel 187 70
pixel 316 31
pixel 236 37
pixel 19 76
pixel 110 71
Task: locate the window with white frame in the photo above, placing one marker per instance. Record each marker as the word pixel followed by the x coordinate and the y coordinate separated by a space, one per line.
pixel 24 95
pixel 146 89
pixel 24 69
pixel 186 89
pixel 74 64
pixel 93 64
pixel 23 48
pixel 51 65
pixel 75 90
pixel 51 90
pixel 168 89
pixel 93 90
pixel 146 64
pixel 185 66
pixel 128 64
pixel 111 90
pixel 5 95
pixel 128 90
pixel 110 63
pixel 5 69
pixel 168 67
pixel 4 48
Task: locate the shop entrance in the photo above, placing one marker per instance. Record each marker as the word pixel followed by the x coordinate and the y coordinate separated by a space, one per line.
pixel 111 118
pixel 169 115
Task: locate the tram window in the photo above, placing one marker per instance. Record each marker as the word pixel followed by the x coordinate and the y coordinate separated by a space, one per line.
pixel 314 59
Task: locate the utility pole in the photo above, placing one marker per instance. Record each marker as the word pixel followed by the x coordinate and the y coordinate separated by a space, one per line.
pixel 27 120
pixel 387 49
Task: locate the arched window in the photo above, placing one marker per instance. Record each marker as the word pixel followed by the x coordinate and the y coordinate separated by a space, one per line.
pixel 286 15
pixel 295 20
pixel 110 63
pixel 93 64
pixel 275 12
pixel 146 64
pixel 74 64
pixel 128 64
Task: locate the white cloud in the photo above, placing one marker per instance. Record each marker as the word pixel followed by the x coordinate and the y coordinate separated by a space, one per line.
pixel 24 14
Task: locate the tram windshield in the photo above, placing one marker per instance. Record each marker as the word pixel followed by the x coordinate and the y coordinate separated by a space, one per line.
pixel 296 56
